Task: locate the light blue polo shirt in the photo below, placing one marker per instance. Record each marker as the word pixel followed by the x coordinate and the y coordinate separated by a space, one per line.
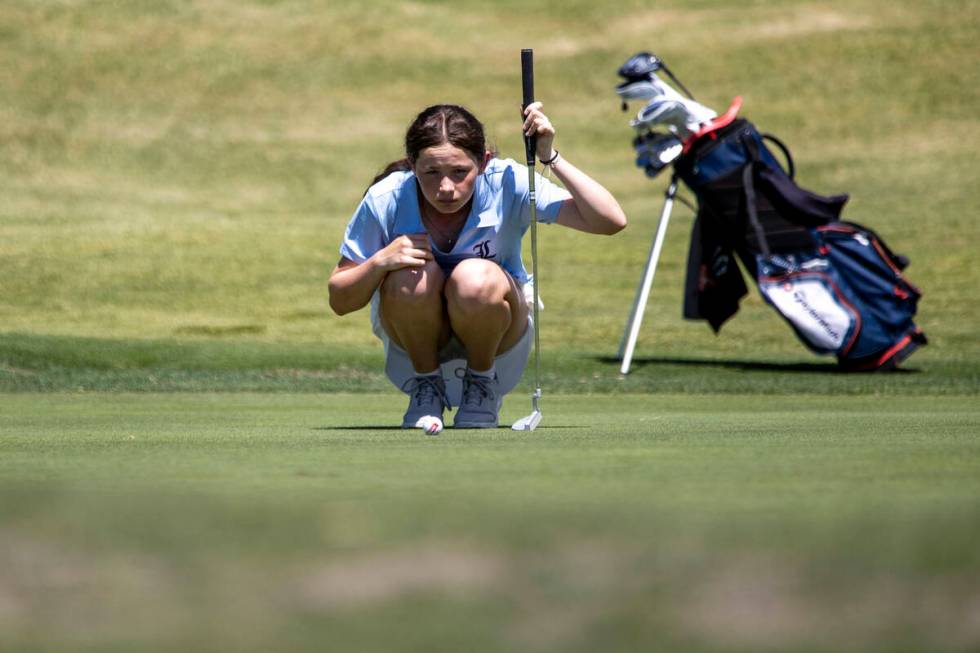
pixel 498 219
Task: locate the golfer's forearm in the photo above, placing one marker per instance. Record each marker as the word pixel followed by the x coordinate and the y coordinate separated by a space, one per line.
pixel 351 288
pixel 598 211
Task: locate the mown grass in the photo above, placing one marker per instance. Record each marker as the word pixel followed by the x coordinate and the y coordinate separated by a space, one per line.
pixel 52 363
pixel 183 171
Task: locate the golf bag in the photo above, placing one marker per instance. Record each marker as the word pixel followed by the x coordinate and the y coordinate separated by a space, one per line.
pixel 836 283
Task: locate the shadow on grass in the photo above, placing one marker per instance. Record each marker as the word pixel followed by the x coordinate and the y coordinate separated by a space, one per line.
pixel 386 427
pixel 822 368
pixel 448 428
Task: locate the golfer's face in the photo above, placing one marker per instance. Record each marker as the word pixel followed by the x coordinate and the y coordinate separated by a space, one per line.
pixel 446 176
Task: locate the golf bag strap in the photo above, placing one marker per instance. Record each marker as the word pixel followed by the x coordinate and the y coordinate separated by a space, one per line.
pixel 790 167
pixel 748 182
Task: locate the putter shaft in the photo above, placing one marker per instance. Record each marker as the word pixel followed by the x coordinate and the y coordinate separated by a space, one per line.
pixel 534 275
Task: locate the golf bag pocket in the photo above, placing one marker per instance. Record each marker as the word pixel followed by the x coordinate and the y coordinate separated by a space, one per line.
pixel 871 276
pixel 804 291
pixel 848 297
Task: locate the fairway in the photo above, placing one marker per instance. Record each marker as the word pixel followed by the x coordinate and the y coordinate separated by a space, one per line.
pixel 724 522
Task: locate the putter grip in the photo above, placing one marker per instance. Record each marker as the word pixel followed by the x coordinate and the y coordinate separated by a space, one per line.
pixel 527 79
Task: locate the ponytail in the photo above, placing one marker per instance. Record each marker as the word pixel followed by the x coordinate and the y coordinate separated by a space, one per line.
pixel 400 165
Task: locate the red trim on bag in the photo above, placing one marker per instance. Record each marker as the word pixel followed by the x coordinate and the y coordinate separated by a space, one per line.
pixel 885 257
pixel 884 358
pixel 898 272
pixel 901 294
pixel 721 121
pixel 837 227
pixel 845 229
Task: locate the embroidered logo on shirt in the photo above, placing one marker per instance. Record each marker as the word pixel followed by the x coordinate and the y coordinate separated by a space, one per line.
pixel 482 249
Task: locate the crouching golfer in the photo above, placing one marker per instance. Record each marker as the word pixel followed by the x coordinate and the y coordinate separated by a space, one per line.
pixel 435 248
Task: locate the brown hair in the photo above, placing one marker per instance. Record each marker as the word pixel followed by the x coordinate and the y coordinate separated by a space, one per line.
pixel 438 124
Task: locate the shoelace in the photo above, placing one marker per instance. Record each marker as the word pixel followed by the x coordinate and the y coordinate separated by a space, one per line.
pixel 424 389
pixel 476 389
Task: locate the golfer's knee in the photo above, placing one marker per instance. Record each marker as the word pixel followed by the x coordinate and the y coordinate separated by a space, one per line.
pixel 414 286
pixel 476 284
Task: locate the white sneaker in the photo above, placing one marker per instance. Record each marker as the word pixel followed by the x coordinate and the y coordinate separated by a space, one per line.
pixel 427 397
pixel 480 403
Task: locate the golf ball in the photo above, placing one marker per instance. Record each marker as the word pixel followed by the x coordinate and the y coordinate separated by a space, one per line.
pixel 431 424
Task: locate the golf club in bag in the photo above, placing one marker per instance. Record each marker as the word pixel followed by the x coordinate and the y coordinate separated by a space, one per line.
pixel 836 283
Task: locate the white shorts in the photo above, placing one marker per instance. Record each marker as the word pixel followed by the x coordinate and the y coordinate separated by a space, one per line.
pixel 452 358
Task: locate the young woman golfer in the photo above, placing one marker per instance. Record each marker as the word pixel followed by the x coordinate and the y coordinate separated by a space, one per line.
pixel 435 248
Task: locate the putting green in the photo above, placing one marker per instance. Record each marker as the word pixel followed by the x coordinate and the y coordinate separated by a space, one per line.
pixel 231 521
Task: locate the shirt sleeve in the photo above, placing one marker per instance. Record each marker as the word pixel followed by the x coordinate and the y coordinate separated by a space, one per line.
pixel 365 235
pixel 549 197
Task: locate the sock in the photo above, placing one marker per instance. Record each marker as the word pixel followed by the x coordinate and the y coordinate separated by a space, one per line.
pixel 434 372
pixel 491 373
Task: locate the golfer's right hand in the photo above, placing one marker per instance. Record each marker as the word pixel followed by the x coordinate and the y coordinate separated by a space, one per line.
pixel 405 251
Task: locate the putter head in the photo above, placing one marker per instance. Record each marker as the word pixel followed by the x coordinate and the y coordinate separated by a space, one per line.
pixel 528 423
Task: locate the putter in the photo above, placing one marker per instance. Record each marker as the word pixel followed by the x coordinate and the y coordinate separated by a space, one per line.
pixel 531 422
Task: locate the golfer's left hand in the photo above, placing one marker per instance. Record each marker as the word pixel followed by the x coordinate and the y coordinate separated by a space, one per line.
pixel 537 124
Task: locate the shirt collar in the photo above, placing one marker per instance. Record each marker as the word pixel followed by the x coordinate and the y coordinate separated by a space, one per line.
pixel 408 220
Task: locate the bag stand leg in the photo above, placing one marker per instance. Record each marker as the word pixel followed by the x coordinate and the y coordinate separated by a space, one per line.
pixel 628 343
